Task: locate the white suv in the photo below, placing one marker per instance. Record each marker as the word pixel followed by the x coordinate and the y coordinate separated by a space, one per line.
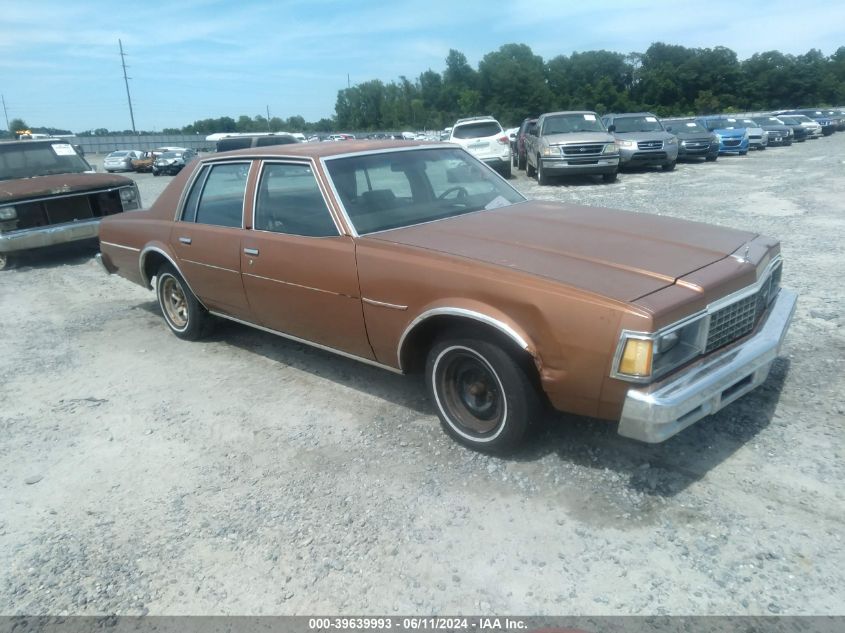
pixel 484 138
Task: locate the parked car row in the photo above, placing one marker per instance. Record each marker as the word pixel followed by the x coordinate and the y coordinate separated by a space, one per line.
pixel 582 143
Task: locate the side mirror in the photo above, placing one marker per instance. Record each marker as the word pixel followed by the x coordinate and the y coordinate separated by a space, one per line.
pixel 668 128
pixel 611 128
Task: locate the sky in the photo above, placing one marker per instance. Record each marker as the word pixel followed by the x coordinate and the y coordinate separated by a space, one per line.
pixel 195 59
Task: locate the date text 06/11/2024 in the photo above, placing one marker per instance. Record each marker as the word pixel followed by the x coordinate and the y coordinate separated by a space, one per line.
pixel 477 624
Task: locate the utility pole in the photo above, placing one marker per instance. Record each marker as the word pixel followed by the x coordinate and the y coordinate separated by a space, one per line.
pixel 126 81
pixel 348 85
pixel 6 114
pixel 268 119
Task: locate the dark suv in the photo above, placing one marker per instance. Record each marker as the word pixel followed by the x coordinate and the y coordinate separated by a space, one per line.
pixel 694 140
pixel 519 155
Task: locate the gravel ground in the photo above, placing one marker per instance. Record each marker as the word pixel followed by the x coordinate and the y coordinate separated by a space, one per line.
pixel 250 475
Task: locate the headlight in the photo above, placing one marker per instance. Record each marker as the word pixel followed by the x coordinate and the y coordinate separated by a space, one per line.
pixel 610 148
pixel 719 137
pixel 8 213
pixel 644 356
pixel 745 135
pixel 671 141
pixel 628 144
pixel 547 151
pixel 129 198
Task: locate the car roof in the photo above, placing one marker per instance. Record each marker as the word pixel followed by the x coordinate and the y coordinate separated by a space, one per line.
pixel 325 150
pixel 624 114
pixel 568 112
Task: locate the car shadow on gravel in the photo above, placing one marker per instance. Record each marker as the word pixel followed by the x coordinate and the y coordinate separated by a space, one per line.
pixel 405 391
pixel 53 256
pixel 665 469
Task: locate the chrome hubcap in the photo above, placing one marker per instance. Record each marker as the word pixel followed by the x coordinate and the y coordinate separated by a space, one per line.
pixel 174 303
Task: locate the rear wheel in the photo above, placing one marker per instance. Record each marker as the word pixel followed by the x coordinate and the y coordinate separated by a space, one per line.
pixel 506 172
pixel 521 162
pixel 514 160
pixel 484 396
pixel 611 177
pixel 182 312
pixel 5 261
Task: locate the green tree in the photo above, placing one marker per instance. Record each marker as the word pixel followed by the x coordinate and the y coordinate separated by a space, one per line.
pixel 512 82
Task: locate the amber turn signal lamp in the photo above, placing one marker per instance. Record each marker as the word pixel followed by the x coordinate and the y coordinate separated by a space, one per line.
pixel 636 357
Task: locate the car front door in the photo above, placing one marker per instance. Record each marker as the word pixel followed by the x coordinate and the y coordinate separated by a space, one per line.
pixel 207 237
pixel 299 272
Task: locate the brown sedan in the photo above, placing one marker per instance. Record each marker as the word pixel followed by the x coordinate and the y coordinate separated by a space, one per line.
pixel 416 257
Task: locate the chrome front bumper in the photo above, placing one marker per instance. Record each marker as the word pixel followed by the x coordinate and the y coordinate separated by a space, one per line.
pixel 25 239
pixel 658 411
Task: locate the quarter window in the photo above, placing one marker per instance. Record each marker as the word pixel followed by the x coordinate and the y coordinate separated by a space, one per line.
pixel 222 200
pixel 290 202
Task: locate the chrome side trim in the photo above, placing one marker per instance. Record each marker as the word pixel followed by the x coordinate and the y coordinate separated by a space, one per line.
pixel 459 312
pixel 326 348
pixel 290 283
pixel 228 270
pixel 384 304
pixel 128 248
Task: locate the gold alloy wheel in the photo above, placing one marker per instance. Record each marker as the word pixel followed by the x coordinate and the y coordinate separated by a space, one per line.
pixel 174 303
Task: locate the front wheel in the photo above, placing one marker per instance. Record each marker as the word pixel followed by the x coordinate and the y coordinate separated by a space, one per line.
pixel 529 168
pixel 611 177
pixel 669 166
pixel 484 397
pixel 712 158
pixel 182 311
pixel 521 160
pixel 542 176
pixel 5 261
pixel 743 153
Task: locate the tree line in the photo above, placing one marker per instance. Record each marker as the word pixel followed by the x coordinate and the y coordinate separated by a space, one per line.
pixel 512 83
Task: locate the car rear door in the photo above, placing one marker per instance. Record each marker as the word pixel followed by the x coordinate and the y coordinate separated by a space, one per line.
pixel 207 237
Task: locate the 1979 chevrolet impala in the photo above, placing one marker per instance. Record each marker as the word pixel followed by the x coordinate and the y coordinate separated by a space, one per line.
pixel 417 257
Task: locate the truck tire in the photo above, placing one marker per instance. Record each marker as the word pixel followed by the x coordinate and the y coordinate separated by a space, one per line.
pixel 542 176
pixel 611 177
pixel 529 168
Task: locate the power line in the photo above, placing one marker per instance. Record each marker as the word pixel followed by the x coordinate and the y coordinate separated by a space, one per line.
pixel 126 81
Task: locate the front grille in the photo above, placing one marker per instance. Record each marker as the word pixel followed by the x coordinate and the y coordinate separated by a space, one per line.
pixel 739 318
pixel 731 142
pixel 696 144
pixel 650 145
pixel 755 136
pixel 590 149
pixel 648 156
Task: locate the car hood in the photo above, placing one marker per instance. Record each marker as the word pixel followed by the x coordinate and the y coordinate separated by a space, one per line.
pixel 729 132
pixel 56 185
pixel 688 136
pixel 577 137
pixel 644 136
pixel 616 254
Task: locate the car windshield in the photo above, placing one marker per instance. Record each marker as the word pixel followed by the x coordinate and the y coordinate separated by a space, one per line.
pixel 737 124
pixel 27 159
pixel 645 123
pixel 402 188
pixel 721 124
pixel 683 126
pixel 769 120
pixel 800 118
pixel 171 155
pixel 477 130
pixel 572 123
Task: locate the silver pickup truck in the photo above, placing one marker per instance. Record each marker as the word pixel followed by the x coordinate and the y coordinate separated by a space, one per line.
pixel 568 144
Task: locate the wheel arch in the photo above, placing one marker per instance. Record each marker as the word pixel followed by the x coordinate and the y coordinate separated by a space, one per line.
pixel 421 332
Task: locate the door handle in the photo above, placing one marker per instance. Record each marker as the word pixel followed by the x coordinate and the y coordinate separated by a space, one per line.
pixel 185 240
pixel 251 251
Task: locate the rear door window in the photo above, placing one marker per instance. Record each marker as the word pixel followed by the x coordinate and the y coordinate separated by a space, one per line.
pixel 221 201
